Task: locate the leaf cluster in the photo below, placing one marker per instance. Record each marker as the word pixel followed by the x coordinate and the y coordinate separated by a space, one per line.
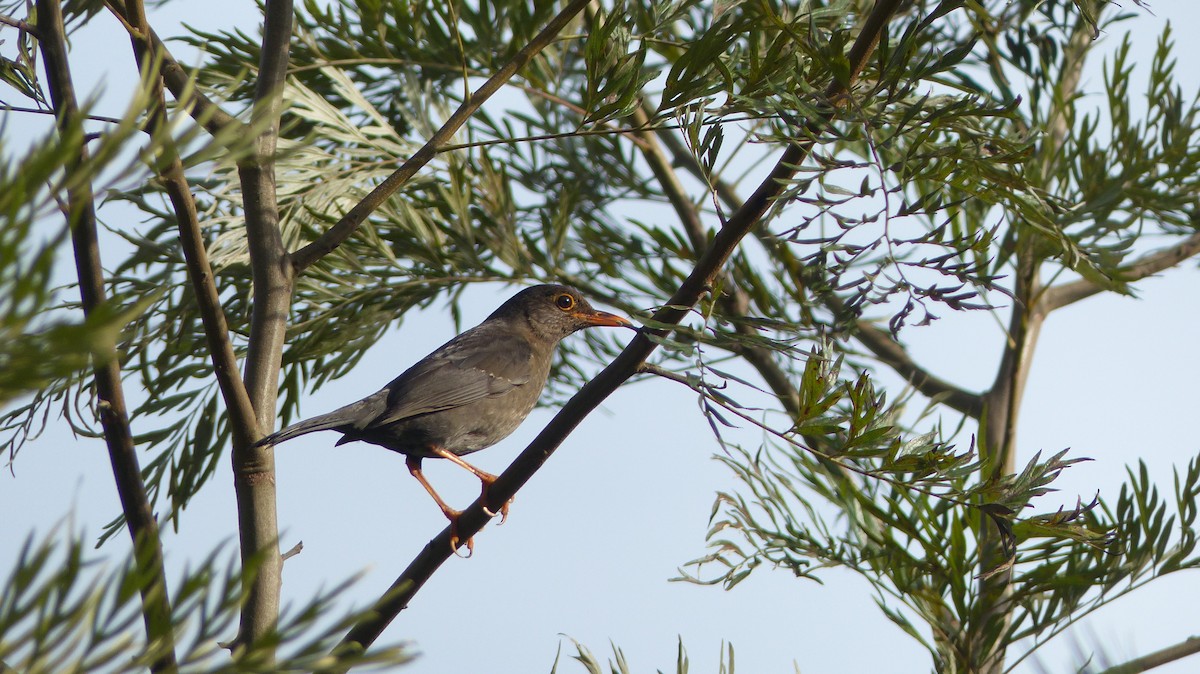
pixel 63 611
pixel 843 487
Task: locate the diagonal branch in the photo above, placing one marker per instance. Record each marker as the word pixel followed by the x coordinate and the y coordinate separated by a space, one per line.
pixel 114 414
pixel 202 109
pixel 1152 263
pixel 334 236
pixel 169 168
pixel 1179 651
pixel 628 362
pixel 735 300
pixel 893 354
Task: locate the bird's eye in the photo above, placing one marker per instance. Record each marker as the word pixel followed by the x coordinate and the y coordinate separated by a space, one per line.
pixel 564 302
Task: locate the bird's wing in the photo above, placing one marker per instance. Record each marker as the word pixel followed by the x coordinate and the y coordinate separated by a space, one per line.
pixel 471 367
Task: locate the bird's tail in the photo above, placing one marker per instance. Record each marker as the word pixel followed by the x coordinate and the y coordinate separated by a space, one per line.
pixel 334 419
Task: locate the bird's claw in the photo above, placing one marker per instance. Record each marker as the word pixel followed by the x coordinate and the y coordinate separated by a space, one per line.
pixel 488 511
pixel 456 542
pixel 503 513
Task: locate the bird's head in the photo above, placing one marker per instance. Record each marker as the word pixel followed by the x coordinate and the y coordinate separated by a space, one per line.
pixel 555 311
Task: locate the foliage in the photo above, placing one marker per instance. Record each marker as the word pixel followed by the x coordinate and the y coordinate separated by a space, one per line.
pixel 964 172
pixel 619 665
pixel 62 610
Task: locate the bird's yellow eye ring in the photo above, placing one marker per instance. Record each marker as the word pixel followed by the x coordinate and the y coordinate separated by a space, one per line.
pixel 564 302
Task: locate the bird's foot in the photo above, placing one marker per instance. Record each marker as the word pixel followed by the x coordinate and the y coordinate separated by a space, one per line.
pixel 484 499
pixel 457 543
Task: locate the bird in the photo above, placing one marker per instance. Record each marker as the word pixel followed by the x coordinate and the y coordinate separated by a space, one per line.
pixel 469 393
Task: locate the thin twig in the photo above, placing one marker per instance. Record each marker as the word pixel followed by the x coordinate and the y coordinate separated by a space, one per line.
pixel 626 364
pixel 292 552
pixel 114 414
pixel 40 111
pixel 658 371
pixel 20 24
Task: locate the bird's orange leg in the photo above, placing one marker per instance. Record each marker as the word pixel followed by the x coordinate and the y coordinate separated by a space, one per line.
pixel 486 478
pixel 414 467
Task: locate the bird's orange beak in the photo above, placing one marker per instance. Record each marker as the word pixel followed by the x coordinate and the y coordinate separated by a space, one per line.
pixel 605 319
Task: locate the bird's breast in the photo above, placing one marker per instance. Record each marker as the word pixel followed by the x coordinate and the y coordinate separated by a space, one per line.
pixel 488 421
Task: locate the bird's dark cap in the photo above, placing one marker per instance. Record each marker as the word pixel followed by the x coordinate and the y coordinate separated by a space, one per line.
pixel 560 306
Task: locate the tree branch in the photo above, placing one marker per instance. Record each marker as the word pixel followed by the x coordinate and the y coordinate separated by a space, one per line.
pixel 1179 651
pixel 1148 265
pixel 272 280
pixel 334 236
pixel 992 613
pixel 38 111
pixel 735 301
pixel 626 364
pixel 202 109
pixel 7 20
pixel 893 354
pixel 169 168
pixel 113 412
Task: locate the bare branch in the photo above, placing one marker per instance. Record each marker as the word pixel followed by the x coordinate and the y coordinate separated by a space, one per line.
pixel 335 235
pixel 20 25
pixel 1179 651
pixel 1149 265
pixel 170 170
pixel 114 414
pixel 216 327
pixel 272 279
pixel 202 109
pixel 626 364
pixel 292 552
pixel 735 300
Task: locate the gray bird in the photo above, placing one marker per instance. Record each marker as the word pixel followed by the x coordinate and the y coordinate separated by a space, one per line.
pixel 470 393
